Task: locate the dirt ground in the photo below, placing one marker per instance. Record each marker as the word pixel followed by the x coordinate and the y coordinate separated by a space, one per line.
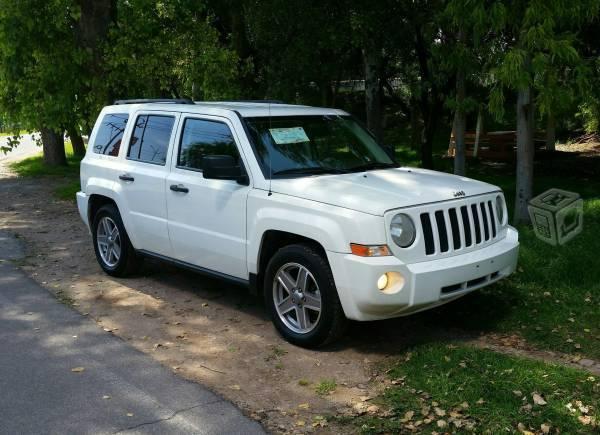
pixel 203 329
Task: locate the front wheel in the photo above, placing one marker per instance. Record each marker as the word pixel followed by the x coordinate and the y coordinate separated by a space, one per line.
pixel 301 297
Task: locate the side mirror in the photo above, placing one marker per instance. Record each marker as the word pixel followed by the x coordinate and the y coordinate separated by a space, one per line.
pixel 223 168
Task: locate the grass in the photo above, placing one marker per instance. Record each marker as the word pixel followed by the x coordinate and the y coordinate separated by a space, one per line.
pixel 35 167
pixel 445 388
pixel 326 386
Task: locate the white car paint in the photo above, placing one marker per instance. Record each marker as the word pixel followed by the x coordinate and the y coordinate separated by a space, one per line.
pixel 219 225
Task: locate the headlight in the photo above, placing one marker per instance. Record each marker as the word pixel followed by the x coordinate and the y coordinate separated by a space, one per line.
pixel 500 209
pixel 403 230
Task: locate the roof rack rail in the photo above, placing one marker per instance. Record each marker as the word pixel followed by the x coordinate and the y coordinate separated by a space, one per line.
pixel 155 100
pixel 251 101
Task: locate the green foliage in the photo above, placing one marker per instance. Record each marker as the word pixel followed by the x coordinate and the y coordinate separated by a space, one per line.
pixel 168 49
pixel 541 52
pixel 40 65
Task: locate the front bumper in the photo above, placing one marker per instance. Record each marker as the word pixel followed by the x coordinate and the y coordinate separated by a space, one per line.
pixel 426 284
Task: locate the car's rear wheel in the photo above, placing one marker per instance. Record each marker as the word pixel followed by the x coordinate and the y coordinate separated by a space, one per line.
pixel 301 297
pixel 114 251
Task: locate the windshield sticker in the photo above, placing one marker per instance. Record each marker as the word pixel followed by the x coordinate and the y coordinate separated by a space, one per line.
pixel 283 136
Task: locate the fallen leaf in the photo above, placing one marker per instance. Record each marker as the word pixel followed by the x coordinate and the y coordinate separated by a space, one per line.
pixel 129 414
pixel 464 405
pixel 582 408
pixel 545 428
pixel 517 393
pixel 373 409
pixel 361 408
pixel 538 399
pixel 480 401
pixel 439 411
pixel 300 423
pixel 235 387
pixel 584 419
pixel 304 406
pixel 106 397
pixel 77 369
pixel 441 424
pixel 408 415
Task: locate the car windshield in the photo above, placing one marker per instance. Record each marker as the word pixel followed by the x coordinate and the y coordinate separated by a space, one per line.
pixel 292 146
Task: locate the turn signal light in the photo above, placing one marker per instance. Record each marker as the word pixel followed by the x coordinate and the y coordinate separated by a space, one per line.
pixel 369 250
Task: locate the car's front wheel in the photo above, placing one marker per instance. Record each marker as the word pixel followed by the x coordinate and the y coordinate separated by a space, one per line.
pixel 301 297
pixel 114 251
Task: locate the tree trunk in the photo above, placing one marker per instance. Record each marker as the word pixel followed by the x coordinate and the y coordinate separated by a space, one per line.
pixel 428 100
pixel 53 145
pixel 372 60
pixel 415 125
pixel 525 151
pixel 551 133
pixel 461 116
pixel 76 141
pixel 478 131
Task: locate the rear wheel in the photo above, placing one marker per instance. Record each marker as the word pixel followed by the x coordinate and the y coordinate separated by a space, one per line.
pixel 114 251
pixel 301 297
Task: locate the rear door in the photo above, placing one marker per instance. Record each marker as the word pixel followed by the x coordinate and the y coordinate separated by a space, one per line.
pixel 207 218
pixel 143 179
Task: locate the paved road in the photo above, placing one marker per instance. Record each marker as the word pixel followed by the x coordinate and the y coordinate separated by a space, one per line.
pixel 27 148
pixel 120 389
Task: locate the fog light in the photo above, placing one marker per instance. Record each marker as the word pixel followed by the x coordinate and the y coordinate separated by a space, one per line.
pixel 382 282
pixel 391 283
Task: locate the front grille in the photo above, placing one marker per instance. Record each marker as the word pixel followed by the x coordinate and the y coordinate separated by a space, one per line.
pixel 462 226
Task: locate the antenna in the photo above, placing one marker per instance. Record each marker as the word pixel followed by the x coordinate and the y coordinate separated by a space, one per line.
pixel 270 160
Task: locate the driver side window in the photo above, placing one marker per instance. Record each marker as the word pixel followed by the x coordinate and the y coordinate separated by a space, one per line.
pixel 200 138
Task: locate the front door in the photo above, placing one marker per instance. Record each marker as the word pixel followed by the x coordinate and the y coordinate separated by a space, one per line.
pixel 207 218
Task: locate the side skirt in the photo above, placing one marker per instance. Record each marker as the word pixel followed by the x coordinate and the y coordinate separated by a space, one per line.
pixel 197 269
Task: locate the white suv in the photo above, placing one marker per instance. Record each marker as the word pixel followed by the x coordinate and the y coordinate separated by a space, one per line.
pixel 299 203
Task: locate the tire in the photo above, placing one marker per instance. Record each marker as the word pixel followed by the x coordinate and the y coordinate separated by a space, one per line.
pixel 302 325
pixel 127 261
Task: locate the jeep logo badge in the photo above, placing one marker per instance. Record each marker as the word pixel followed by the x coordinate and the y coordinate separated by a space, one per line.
pixel 459 193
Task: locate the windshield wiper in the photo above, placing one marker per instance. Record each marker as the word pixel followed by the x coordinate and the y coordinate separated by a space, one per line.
pixel 311 170
pixel 373 165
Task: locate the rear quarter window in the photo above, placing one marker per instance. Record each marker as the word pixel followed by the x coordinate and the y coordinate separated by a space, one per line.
pixel 110 134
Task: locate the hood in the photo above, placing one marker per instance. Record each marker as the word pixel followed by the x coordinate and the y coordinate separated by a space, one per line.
pixel 376 192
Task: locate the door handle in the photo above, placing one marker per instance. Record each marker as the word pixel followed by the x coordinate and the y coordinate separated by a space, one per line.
pixel 126 177
pixel 179 188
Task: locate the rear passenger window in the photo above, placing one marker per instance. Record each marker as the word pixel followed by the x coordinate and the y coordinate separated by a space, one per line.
pixel 204 138
pixel 109 136
pixel 150 139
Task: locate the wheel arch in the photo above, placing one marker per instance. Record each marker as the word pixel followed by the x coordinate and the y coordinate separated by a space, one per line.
pixel 271 242
pixel 96 202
